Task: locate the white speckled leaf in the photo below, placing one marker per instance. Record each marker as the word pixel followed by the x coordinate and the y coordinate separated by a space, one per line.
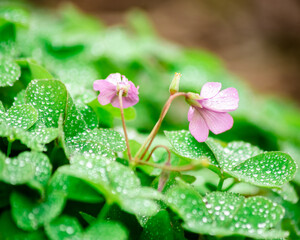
pixel 21 116
pixel 225 214
pixel 116 182
pixel 185 145
pixel 9 72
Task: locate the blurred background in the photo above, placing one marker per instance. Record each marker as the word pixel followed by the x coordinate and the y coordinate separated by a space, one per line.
pixel 257 40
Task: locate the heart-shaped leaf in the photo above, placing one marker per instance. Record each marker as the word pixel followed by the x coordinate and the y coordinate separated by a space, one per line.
pixel 49 97
pixel 238 159
pixel 21 116
pixel 225 214
pixel 34 139
pixel 117 183
pixel 30 214
pixel 27 166
pixel 63 227
pixel 75 188
pixel 185 145
pixel 9 72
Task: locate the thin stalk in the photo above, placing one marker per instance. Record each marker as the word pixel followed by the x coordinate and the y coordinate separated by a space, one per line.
pixel 9 148
pixel 220 184
pixel 124 125
pixel 155 129
pixel 168 167
pixel 104 211
pixel 231 185
pixel 160 146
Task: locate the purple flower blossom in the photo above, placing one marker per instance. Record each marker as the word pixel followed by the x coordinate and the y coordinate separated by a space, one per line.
pixel 209 111
pixel 111 86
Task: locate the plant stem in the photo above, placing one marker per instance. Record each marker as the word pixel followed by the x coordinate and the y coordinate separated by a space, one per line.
pixel 9 145
pixel 231 185
pixel 160 146
pixel 104 211
pixel 155 129
pixel 124 126
pixel 220 184
pixel 168 167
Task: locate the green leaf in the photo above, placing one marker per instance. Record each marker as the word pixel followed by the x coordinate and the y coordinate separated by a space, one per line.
pixel 34 139
pixel 42 134
pixel 185 145
pixel 288 193
pixel 49 97
pixel 2 110
pixel 19 99
pixel 25 167
pixel 87 217
pixel 36 70
pixel 116 182
pixel 238 159
pixel 63 227
pixel 89 116
pixel 16 170
pixel 158 227
pixel 98 143
pixel 74 124
pixel 9 72
pixel 225 214
pixel 233 154
pixel 10 231
pixel 30 215
pixel 21 116
pixel 129 113
pixel 14 14
pixel 106 231
pixel 271 169
pixel 74 188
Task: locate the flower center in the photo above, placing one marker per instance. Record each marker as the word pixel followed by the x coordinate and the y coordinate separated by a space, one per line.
pixel 122 86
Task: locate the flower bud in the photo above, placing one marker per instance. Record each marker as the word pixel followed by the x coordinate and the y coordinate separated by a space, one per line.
pixel 174 86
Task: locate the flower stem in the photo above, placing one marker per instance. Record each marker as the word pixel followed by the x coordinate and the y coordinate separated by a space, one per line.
pixel 9 145
pixel 154 131
pixel 104 211
pixel 124 126
pixel 220 184
pixel 168 167
pixel 231 185
pixel 160 146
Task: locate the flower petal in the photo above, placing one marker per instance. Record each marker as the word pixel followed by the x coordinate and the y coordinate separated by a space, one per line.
pixel 114 78
pixel 107 91
pixel 190 113
pixel 210 89
pixel 131 99
pixel 198 127
pixel 217 122
pixel 225 101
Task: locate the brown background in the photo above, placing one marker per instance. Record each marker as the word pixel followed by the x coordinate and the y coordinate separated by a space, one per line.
pixel 258 40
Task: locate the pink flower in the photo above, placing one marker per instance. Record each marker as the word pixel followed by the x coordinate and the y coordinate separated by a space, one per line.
pixel 110 88
pixel 208 110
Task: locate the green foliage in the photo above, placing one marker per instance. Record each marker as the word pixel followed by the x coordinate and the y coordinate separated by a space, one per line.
pixel 64 166
pixel 221 213
pixel 9 72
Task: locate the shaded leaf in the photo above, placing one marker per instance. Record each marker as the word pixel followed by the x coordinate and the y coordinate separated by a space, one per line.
pixel 63 227
pixel 30 215
pixel 10 231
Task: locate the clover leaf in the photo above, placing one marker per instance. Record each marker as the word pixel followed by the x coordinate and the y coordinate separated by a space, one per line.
pixel 225 214
pixel 9 72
